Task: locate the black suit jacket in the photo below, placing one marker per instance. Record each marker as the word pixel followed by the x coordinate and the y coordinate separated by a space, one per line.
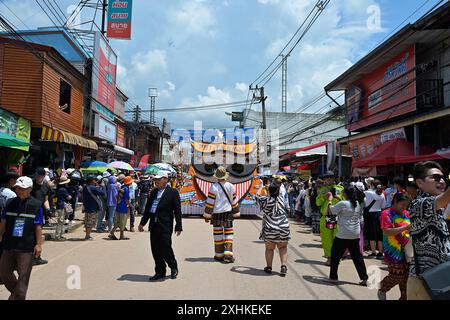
pixel 169 208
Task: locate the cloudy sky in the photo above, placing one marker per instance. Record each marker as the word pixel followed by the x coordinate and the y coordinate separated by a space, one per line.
pixel 201 52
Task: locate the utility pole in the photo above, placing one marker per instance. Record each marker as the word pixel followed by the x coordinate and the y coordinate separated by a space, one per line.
pixel 261 98
pixel 137 114
pixel 284 84
pixel 104 7
pixel 162 139
pixel 153 94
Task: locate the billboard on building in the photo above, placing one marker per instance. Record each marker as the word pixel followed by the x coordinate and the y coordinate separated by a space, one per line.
pixel 104 69
pixel 120 141
pixel 388 92
pixel 119 19
pixel 105 129
pixel 364 147
pixel 15 126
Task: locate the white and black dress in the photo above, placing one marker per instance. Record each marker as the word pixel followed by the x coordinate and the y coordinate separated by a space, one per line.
pixel 275 223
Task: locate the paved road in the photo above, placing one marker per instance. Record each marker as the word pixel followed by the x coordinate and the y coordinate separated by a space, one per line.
pixel 120 269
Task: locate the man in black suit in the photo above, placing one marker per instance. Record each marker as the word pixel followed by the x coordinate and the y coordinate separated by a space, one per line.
pixel 162 207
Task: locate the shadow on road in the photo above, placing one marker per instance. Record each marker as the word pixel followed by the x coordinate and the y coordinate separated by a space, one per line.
pixel 258 241
pixel 200 259
pixel 304 232
pixel 134 278
pixel 252 271
pixel 310 245
pixel 325 281
pixel 306 261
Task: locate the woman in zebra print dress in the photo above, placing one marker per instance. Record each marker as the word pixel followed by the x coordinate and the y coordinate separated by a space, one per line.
pixel 275 225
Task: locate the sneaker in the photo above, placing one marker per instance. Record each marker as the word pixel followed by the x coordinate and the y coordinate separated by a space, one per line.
pixel 381 295
pixel 380 256
pixel 372 255
pixel 283 271
pixel 88 239
pixel 61 239
pixel 39 261
pixel 72 222
pixel 229 259
pixel 66 222
pixel 363 283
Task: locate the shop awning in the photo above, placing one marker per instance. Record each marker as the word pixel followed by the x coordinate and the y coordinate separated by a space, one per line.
pixel 124 150
pixel 311 147
pixel 60 136
pixel 395 152
pixel 9 141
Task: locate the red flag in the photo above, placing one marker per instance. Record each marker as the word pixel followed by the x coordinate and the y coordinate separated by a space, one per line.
pixel 144 161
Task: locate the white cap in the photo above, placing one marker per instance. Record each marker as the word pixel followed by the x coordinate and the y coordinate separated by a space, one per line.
pixel 161 174
pixel 24 183
pixel 106 174
pixel 99 177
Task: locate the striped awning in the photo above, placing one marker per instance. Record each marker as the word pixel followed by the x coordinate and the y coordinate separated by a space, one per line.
pixel 49 134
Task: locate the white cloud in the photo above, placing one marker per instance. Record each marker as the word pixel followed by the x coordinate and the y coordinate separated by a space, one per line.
pixel 150 61
pixel 269 1
pixel 241 86
pixel 168 91
pixel 194 17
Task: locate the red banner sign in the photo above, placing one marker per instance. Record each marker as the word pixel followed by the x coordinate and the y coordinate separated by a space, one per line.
pixel 120 136
pixel 389 92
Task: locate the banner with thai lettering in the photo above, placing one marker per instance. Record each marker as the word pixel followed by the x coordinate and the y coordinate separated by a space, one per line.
pixel 15 126
pixel 120 136
pixel 104 73
pixel 119 19
pixel 213 147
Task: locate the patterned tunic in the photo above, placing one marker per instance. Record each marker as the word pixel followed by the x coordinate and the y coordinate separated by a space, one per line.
pixel 275 223
pixel 430 233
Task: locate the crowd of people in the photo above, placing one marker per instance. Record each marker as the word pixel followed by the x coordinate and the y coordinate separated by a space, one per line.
pixel 405 224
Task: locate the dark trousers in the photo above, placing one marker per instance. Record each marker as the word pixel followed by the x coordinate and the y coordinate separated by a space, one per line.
pixel 337 252
pixel 161 243
pixel 23 263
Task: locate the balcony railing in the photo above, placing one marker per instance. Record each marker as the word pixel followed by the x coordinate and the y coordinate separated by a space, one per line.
pixel 430 93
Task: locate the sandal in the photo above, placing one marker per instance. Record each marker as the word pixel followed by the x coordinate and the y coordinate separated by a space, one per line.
pixel 112 237
pixel 283 271
pixel 268 270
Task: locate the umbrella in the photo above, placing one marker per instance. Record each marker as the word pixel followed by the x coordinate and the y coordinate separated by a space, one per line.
pixel 9 141
pixel 121 165
pixel 94 164
pixel 151 169
pixel 96 170
pixel 165 167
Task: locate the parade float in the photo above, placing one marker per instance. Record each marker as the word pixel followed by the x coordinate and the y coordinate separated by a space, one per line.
pixel 206 157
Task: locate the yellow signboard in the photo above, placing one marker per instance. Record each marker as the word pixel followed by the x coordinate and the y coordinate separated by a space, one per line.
pixel 214 147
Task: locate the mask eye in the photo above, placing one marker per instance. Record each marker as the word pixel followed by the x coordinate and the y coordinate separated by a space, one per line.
pixel 206 169
pixel 240 170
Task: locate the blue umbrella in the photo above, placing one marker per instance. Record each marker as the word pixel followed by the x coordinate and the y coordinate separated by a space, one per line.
pixel 94 164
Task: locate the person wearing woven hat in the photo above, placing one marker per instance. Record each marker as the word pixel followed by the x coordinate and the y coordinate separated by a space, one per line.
pixel 328 230
pixel 21 233
pixel 122 209
pixel 63 197
pixel 221 208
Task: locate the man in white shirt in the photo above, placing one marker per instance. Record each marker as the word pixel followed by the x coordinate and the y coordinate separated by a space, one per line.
pixel 5 191
pixel 132 189
pixel 222 207
pixel 375 202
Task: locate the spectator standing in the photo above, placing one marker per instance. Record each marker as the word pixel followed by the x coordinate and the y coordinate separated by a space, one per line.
pixel 122 210
pixel 133 190
pixel 21 230
pixel 375 202
pixel 349 216
pixel 111 202
pixel 92 201
pixel 395 223
pixel 429 231
pixel 275 226
pixel 63 199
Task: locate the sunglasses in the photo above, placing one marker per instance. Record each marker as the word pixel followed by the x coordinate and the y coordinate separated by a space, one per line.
pixel 437 177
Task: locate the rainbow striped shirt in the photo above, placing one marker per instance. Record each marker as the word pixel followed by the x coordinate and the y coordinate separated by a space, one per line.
pixel 393 245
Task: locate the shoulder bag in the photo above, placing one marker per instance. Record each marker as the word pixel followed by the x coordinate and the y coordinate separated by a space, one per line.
pixel 436 279
pixel 235 215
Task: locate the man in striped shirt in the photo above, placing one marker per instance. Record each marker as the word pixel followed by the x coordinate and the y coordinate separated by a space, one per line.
pixel 222 204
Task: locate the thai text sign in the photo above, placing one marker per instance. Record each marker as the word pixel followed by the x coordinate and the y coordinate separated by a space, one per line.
pixel 104 70
pixel 119 19
pixel 389 91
